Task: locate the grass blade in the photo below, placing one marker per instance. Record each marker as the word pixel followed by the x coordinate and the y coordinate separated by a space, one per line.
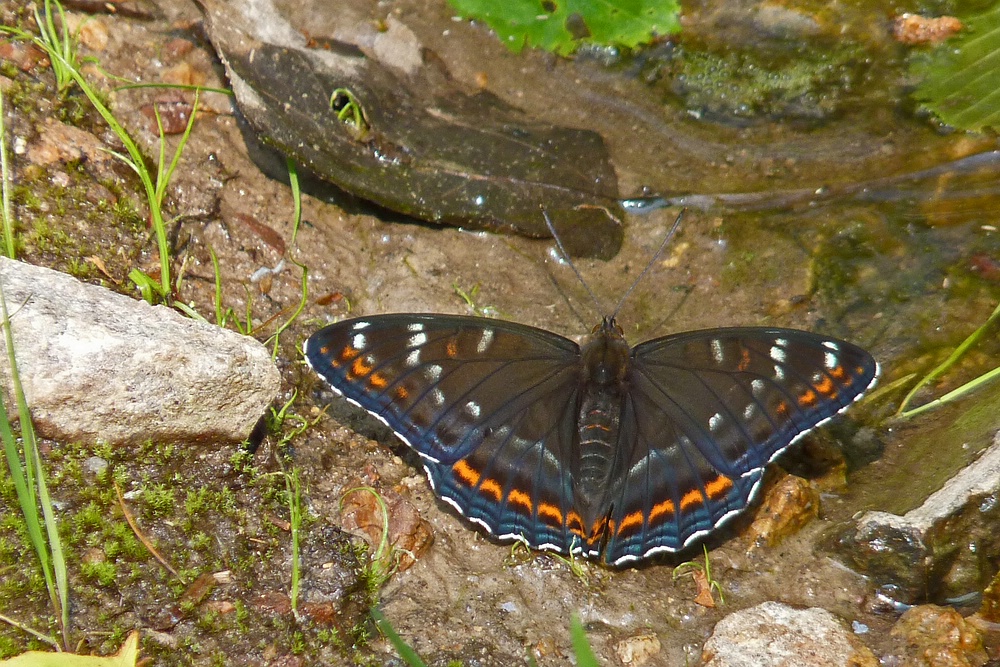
pixel 581 646
pixel 7 219
pixel 29 482
pixel 944 366
pixel 405 651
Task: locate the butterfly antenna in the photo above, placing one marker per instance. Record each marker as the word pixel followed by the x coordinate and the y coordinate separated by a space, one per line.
pixel 656 255
pixel 562 250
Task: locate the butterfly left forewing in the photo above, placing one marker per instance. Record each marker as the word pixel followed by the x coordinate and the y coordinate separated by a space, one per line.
pixel 705 412
pixel 484 402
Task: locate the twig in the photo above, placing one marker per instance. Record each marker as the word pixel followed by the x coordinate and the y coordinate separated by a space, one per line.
pixel 142 538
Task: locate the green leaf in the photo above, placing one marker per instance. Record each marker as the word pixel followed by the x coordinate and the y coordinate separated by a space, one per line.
pixel 961 79
pixel 562 25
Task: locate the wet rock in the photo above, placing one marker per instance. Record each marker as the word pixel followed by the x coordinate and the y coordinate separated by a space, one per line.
pixel 932 636
pixel 776 635
pixel 184 74
pixel 91 31
pixel 915 29
pixel 775 20
pixel 177 48
pixel 789 505
pixel 26 57
pixel 638 650
pixel 940 550
pixel 406 139
pixel 174 116
pixel 58 143
pixel 99 366
pixel 989 610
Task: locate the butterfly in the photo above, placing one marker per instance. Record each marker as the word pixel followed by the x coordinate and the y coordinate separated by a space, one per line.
pixel 597 449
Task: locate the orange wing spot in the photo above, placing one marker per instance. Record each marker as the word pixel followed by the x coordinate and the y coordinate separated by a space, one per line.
pixel 718 487
pixel 451 349
pixel 597 530
pixel 599 427
pixel 838 372
pixel 827 388
pixel 349 353
pixel 575 523
pixel 550 514
pixel 521 498
pixel 378 381
pixel 692 497
pixel 466 473
pixel 629 521
pixel 359 369
pixel 744 359
pixel 666 508
pixel 491 488
pixel 808 398
pixel 402 393
pixel 325 350
pixel 781 409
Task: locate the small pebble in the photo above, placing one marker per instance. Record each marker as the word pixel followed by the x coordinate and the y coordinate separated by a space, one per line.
pixel 95 465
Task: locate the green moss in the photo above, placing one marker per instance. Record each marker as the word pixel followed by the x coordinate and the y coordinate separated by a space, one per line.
pixel 9 647
pixel 242 461
pixel 159 499
pixel 13 524
pixel 121 542
pixel 200 542
pixel 89 519
pixel 126 214
pixel 196 501
pixel 101 572
pixel 812 84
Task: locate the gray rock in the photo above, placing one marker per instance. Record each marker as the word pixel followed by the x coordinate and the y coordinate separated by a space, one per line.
pixel 99 366
pixel 773 634
pixel 940 550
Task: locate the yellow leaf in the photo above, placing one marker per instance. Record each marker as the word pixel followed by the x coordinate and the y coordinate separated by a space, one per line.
pixel 125 657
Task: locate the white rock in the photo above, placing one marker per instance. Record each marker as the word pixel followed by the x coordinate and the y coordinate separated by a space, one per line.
pixel 99 366
pixel 638 650
pixel 773 634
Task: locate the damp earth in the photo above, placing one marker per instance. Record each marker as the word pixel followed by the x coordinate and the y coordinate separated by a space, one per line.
pixel 905 272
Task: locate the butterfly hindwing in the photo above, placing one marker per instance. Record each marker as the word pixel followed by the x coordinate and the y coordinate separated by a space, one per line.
pixel 705 412
pixel 489 406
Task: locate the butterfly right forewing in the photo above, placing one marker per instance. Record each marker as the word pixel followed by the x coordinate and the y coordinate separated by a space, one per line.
pixel 704 413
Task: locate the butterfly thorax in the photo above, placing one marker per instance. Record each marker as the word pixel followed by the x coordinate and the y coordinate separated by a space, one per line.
pixel 604 369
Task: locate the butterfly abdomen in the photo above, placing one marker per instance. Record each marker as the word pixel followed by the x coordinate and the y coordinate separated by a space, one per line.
pixel 604 368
